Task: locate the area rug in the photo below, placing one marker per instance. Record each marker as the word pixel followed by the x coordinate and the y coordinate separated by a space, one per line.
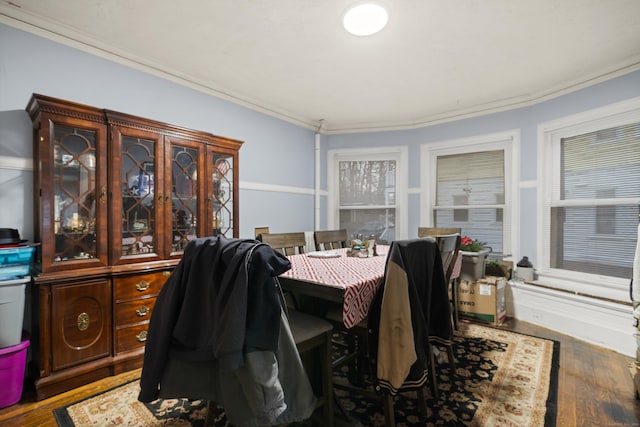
pixel 502 379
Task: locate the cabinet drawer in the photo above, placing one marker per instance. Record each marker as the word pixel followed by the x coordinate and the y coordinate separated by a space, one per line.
pixel 131 287
pixel 134 311
pixel 131 338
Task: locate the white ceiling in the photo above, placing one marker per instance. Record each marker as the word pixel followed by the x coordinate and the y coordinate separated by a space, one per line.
pixel 437 60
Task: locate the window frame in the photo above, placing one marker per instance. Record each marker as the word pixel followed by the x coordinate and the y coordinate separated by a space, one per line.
pixel 509 143
pixel 550 135
pixel 399 154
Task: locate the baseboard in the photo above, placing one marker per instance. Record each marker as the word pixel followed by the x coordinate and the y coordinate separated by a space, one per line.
pixel 603 323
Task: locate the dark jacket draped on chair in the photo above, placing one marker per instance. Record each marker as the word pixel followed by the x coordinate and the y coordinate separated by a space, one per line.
pixel 219 332
pixel 410 309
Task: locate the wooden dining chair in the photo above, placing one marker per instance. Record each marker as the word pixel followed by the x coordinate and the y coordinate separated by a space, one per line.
pixel 330 239
pixel 355 337
pixel 286 243
pixel 312 337
pixel 268 330
pixel 449 263
pixel 449 246
pixel 400 325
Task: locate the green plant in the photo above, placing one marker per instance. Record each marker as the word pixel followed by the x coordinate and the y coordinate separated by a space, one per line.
pixel 493 263
pixel 471 245
pixel 494 267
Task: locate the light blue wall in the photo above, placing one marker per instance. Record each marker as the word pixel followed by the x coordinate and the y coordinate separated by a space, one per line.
pixel 526 120
pixel 275 152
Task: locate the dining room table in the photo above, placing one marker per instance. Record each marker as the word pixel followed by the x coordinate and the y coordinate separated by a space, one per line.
pixel 334 276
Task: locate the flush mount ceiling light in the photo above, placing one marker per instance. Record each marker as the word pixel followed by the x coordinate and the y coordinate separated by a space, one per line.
pixel 365 19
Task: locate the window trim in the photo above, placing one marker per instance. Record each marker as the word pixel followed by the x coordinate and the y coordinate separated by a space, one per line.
pixel 509 142
pixel 549 136
pixel 400 154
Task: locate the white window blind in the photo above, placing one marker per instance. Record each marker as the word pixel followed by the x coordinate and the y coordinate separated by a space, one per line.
pixel 470 194
pixel 594 206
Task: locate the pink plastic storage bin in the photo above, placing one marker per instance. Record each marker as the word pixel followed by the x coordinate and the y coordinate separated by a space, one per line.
pixel 12 364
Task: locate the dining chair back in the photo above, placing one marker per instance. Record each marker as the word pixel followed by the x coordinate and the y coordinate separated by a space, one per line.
pixel 260 230
pixel 330 239
pixel 437 231
pixel 451 263
pixel 286 243
pixel 449 245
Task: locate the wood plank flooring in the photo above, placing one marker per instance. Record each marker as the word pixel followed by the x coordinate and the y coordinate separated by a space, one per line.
pixel 594 387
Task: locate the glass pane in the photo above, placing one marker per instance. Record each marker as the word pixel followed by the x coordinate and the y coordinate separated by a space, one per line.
pixel 602 164
pixel 74 177
pixel 597 240
pixel 366 183
pixel 222 180
pixel 184 196
pixel 138 201
pixel 470 178
pixel 484 225
pixel 364 223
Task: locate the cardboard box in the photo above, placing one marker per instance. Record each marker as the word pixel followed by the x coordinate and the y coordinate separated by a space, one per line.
pixel 483 300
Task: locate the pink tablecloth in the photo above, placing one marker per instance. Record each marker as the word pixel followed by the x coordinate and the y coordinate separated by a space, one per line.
pixel 358 277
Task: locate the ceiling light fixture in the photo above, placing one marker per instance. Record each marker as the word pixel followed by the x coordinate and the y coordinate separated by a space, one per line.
pixel 365 19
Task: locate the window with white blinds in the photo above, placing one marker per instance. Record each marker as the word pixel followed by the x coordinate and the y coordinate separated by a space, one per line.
pixel 593 202
pixel 470 189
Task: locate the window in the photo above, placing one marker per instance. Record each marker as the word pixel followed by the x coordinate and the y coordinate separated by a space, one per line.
pixel 369 193
pixel 591 196
pixel 460 215
pixel 468 185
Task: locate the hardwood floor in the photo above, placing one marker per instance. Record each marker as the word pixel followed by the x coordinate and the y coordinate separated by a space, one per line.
pixel 29 413
pixel 594 387
pixel 594 384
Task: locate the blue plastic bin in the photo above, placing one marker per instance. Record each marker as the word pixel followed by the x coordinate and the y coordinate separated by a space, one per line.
pixel 16 262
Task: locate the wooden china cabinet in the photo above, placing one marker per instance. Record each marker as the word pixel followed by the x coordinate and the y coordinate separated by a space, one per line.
pixel 117 198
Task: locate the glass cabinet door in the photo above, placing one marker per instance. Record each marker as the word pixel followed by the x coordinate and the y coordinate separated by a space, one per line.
pixel 136 197
pixel 221 168
pixel 185 188
pixel 74 203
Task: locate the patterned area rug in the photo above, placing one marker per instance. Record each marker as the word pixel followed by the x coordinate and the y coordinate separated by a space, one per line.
pixel 503 378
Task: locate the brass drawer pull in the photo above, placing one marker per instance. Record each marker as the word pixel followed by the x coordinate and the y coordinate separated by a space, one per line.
pixel 142 285
pixel 142 311
pixel 83 321
pixel 142 336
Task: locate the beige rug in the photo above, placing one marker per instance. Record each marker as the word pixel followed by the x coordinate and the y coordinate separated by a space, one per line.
pixel 502 379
